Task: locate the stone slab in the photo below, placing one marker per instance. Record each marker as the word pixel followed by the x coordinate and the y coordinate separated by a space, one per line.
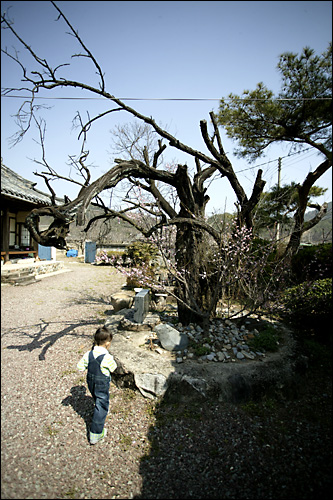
pixel 170 338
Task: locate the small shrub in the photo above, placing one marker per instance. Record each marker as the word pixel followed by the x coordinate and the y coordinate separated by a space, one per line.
pixel 201 350
pixel 67 372
pixel 72 492
pixel 140 252
pixel 309 302
pixel 50 431
pixel 267 340
pixel 259 408
pixel 312 263
pixel 102 258
pixel 128 394
pixel 133 281
pixel 320 355
pixel 116 257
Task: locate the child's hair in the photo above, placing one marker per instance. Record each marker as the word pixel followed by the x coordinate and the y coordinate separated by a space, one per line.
pixel 102 335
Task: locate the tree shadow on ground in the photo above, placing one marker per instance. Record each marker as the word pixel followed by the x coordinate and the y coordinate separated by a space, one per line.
pixel 90 299
pixel 82 404
pixel 44 339
pixel 256 449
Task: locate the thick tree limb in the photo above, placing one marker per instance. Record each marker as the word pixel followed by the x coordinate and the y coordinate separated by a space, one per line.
pixel 65 214
pixel 56 234
pixel 303 193
pixel 322 211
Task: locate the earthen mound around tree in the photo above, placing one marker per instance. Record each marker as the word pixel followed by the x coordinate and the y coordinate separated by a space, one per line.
pixel 156 372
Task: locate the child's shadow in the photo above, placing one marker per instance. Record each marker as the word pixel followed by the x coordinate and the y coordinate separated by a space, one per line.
pixel 81 403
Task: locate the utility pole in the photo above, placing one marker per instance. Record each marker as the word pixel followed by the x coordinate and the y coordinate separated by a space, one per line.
pixel 279 180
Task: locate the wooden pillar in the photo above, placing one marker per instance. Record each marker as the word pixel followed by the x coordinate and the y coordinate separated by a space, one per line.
pixel 5 232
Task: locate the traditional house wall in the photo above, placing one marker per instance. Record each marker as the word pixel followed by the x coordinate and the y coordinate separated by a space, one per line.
pixel 18 197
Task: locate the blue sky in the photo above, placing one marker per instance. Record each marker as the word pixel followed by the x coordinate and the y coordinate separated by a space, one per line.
pixel 168 50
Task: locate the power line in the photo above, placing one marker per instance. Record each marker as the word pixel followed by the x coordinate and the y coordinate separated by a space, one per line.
pixel 294 161
pixel 272 161
pixel 169 98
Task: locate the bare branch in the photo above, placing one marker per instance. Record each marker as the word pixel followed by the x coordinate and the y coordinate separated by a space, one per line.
pixel 162 203
pixel 85 128
pixel 142 168
pixel 89 54
pixel 158 153
pixel 216 133
pixel 41 125
pixel 47 182
pixel 197 164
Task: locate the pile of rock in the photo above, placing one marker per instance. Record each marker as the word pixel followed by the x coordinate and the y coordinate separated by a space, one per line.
pixel 225 342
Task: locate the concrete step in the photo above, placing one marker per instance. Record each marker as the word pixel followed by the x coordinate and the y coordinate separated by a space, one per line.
pixel 16 273
pixel 24 279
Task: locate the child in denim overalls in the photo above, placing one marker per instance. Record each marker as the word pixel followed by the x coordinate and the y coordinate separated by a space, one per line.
pixel 100 365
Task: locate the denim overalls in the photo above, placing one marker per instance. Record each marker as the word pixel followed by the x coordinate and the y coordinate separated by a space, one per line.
pixel 99 385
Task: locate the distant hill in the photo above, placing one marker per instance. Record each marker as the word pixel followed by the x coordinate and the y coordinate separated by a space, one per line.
pixel 105 232
pixel 320 233
pixel 219 220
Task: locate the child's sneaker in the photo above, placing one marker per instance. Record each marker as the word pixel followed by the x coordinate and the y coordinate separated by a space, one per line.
pixel 96 438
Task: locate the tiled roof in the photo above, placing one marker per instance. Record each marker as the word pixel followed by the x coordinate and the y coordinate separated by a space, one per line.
pixel 15 186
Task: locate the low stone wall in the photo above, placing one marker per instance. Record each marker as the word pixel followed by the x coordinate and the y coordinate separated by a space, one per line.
pixel 48 267
pixel 38 268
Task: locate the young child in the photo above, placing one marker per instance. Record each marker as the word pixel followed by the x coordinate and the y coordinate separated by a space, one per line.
pixel 100 365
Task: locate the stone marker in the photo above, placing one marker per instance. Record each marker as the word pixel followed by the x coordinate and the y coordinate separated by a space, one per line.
pixel 141 305
pixel 170 338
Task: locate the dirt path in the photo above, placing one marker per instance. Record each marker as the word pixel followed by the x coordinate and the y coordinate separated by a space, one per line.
pixel 46 409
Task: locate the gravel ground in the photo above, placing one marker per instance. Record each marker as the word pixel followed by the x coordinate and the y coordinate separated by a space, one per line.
pixel 274 449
